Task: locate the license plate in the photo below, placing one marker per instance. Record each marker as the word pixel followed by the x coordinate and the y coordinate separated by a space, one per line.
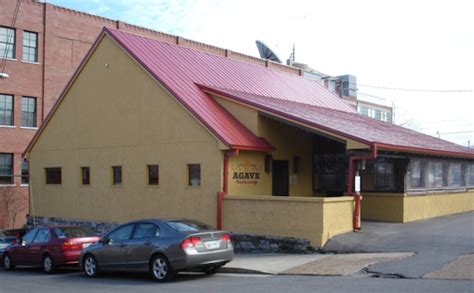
pixel 85 245
pixel 212 244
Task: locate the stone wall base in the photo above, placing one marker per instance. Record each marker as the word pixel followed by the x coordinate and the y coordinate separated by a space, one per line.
pixel 243 243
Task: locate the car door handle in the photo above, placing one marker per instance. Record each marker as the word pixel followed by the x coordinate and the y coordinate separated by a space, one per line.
pixel 147 242
pixel 122 245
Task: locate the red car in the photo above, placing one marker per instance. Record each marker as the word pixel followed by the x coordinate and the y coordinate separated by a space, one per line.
pixel 49 247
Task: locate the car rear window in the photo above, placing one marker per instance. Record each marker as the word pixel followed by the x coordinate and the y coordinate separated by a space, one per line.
pixel 74 232
pixel 9 240
pixel 188 225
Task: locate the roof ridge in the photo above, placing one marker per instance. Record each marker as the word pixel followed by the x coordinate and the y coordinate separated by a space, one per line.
pixel 227 53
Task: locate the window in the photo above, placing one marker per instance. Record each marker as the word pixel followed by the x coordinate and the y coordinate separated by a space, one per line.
pixel 120 234
pixel 153 177
pixel 7 42
pixel 455 175
pixel 53 175
pixel 188 225
pixel 6 168
pixel 384 175
pixel 28 237
pixel 470 176
pixel 364 110
pixel 417 179
pixel 116 175
pixel 30 46
pixel 74 232
pixel 435 174
pixel 28 111
pixel 25 172
pixel 146 230
pixel 194 172
pixel 42 236
pixel 6 109
pixel 85 175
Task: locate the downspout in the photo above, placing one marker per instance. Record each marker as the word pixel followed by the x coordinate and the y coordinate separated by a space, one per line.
pixel 225 185
pixel 350 184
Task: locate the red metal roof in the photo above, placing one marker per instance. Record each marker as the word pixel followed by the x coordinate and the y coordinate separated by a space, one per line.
pixel 350 125
pixel 180 69
pixel 184 71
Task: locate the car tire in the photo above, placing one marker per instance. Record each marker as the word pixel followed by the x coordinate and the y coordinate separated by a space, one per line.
pixel 211 270
pixel 160 269
pixel 48 264
pixel 8 264
pixel 90 266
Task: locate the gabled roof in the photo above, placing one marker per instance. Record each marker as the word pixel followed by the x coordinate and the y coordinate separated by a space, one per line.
pixel 185 72
pixel 180 69
pixel 347 124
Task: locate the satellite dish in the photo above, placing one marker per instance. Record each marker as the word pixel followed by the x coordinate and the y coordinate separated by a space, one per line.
pixel 266 53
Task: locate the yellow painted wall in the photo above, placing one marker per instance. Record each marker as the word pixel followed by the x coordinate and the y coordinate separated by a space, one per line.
pixel 246 115
pixel 314 219
pixel 434 205
pixel 407 208
pixel 290 142
pixel 118 115
pixel 253 162
pixel 387 207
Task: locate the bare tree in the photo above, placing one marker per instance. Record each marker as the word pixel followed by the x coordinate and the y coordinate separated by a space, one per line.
pixel 14 202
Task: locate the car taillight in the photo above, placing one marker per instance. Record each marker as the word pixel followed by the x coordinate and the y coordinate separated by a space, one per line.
pixel 225 237
pixel 190 242
pixel 71 246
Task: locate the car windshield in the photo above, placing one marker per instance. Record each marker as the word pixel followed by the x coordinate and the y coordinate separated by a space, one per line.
pixel 188 225
pixel 74 232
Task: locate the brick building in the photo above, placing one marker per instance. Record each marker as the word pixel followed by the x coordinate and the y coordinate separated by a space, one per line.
pixel 40 46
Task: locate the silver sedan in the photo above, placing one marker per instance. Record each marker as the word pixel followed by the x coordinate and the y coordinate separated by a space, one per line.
pixel 161 247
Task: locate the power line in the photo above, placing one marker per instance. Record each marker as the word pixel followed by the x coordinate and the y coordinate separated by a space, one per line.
pixel 415 90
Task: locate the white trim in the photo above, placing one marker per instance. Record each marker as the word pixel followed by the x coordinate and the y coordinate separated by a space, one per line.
pixel 26 127
pixel 30 62
pixel 7 126
pixel 9 59
pixel 7 185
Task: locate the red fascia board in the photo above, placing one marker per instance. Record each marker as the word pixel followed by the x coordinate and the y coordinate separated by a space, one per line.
pixel 424 151
pixel 63 93
pixel 286 115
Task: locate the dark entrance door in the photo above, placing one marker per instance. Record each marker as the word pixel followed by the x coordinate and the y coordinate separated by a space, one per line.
pixel 280 178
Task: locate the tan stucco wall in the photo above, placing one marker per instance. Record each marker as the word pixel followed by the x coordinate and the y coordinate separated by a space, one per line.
pixel 118 115
pixel 431 205
pixel 289 142
pixel 407 208
pixel 315 219
pixel 387 207
pixel 246 115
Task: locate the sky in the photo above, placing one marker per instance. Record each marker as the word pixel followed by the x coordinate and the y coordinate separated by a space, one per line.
pixel 426 46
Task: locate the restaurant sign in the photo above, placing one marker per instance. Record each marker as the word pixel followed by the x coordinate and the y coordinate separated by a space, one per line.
pixel 246 172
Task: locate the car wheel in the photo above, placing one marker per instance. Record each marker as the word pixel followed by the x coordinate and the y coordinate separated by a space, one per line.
pixel 8 264
pixel 160 269
pixel 90 266
pixel 48 264
pixel 211 269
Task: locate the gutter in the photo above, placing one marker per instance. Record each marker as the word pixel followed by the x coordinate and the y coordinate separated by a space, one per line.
pixel 350 184
pixel 225 185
